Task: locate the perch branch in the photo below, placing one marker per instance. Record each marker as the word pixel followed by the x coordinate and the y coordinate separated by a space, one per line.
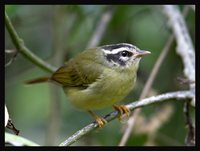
pixel 179 95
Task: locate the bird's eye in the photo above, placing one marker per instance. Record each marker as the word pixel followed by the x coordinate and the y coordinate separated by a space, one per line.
pixel 125 53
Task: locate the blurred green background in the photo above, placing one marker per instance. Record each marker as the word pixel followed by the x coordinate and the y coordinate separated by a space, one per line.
pixel 56 33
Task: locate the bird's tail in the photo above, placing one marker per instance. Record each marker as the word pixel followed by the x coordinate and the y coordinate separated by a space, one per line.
pixel 38 80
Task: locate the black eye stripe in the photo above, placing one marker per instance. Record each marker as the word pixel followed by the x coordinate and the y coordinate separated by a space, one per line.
pixel 116 57
pixel 125 53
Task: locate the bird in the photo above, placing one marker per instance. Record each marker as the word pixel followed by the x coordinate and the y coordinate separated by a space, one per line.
pixel 99 77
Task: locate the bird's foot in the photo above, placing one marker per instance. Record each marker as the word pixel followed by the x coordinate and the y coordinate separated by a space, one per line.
pixel 123 110
pixel 99 120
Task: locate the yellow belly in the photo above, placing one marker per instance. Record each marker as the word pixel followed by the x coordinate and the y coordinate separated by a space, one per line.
pixel 109 89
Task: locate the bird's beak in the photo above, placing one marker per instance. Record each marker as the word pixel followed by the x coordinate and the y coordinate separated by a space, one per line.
pixel 141 53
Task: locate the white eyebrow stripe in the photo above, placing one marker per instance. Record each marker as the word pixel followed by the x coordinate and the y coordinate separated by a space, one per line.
pixel 115 51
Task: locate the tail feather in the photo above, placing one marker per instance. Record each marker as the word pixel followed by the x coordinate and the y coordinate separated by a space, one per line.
pixel 38 80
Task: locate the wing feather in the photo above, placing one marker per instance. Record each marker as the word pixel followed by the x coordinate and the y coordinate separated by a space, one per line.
pixel 79 73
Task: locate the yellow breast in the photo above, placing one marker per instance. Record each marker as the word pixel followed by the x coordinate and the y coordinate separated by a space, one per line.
pixel 110 88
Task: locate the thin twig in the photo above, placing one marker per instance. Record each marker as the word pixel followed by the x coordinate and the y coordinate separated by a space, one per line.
pixel 183 80
pixel 190 138
pixel 20 46
pixel 101 27
pixel 184 43
pixel 132 119
pixel 11 126
pixel 156 67
pixel 179 95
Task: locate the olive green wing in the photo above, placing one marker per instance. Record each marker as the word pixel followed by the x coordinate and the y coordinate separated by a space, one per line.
pixel 78 73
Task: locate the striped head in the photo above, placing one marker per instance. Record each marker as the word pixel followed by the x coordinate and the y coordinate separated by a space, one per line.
pixel 123 55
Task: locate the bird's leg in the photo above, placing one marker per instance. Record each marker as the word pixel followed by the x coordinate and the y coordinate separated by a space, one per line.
pixel 122 109
pixel 99 120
